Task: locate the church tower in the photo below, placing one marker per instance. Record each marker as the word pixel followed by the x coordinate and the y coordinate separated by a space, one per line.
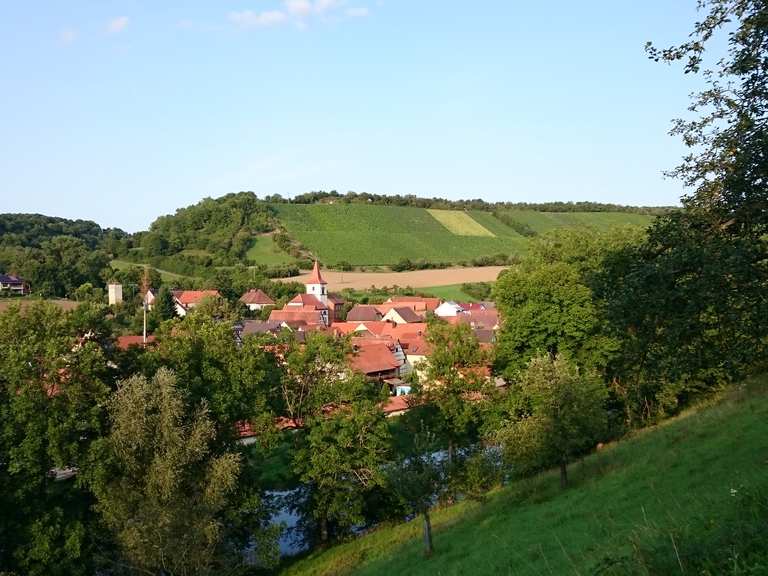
pixel 316 285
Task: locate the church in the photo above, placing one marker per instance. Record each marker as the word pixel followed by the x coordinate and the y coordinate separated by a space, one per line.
pixel 316 307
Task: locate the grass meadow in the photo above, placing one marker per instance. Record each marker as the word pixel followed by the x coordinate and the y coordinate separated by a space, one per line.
pixel 373 235
pixel 687 497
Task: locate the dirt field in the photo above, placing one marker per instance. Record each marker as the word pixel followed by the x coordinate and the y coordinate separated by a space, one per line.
pixel 26 302
pixel 415 279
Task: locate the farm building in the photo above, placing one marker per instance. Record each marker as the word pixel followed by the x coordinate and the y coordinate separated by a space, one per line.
pixel 13 285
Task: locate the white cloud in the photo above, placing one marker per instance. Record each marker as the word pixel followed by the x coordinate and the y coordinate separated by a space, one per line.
pixel 117 24
pixel 299 12
pixel 357 12
pixel 298 8
pixel 323 6
pixel 67 36
pixel 250 19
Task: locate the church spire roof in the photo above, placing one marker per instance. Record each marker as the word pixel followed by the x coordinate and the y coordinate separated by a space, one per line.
pixel 316 278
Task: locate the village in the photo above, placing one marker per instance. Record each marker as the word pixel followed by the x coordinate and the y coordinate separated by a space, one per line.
pixel 389 341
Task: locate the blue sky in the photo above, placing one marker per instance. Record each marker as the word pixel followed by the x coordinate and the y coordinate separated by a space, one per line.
pixel 119 111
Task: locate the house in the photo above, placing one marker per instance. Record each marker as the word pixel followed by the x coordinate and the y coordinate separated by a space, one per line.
pixel 418 303
pixel 448 308
pixel 299 317
pixel 257 327
pixel 395 406
pixel 256 300
pixel 377 358
pixel 478 319
pixel 13 284
pixel 186 300
pixel 402 315
pixel 364 313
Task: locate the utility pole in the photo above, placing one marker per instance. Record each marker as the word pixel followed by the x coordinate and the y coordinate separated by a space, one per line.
pixel 144 289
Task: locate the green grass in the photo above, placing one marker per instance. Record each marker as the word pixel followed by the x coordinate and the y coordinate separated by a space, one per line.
pixel 166 275
pixel 265 251
pixel 449 292
pixel 542 222
pixel 690 496
pixel 381 235
pixel 460 223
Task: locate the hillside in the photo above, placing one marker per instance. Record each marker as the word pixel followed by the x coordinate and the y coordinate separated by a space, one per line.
pixel 381 235
pixel 690 496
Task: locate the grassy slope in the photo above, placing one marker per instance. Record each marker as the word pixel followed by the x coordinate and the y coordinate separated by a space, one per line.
pixel 449 292
pixel 265 251
pixel 544 221
pixel 363 234
pixel 666 489
pixel 166 275
pixel 379 235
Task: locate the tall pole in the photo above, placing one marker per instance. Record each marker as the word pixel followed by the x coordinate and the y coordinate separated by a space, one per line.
pixel 144 290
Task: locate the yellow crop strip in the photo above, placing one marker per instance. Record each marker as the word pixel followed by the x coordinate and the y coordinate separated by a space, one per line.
pixel 460 223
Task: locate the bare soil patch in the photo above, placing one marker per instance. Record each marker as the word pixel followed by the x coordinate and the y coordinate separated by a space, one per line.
pixel 65 305
pixel 414 279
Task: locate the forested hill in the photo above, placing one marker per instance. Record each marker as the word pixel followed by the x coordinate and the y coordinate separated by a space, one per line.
pixel 280 236
pixel 32 230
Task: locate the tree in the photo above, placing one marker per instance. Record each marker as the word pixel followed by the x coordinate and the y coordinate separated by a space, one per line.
pixel 689 303
pixel 547 307
pixel 53 387
pixel 689 309
pixel 235 379
pixel 555 413
pixel 457 382
pixel 342 459
pixel 314 374
pixel 163 489
pixel 728 164
pixel 164 307
pixel 417 479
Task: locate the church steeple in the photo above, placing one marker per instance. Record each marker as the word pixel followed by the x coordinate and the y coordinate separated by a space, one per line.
pixel 316 285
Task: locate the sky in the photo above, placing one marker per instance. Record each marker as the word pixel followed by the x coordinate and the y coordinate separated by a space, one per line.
pixel 120 111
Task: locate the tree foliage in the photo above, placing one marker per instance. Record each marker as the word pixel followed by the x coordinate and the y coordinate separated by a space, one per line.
pixel 555 412
pixel 164 490
pixel 52 388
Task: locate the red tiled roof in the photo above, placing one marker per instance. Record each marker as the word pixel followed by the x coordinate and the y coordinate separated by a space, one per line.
pixel 256 297
pixel 428 303
pixel 125 342
pixel 373 358
pixel 363 313
pixel 395 404
pixel 308 316
pixel 409 315
pixel 187 297
pixel 315 277
pixel 306 300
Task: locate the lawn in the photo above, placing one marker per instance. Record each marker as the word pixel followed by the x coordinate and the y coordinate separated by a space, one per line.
pixel 688 496
pixel 265 251
pixel 449 292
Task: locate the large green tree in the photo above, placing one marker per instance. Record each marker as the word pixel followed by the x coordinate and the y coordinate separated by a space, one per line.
pixel 690 303
pixel 342 459
pixel 53 386
pixel 554 413
pixel 234 378
pixel 168 495
pixel 457 383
